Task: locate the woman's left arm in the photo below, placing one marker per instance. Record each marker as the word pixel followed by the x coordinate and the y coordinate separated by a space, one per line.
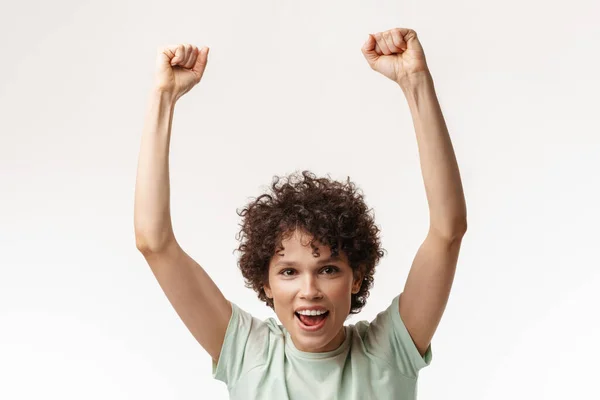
pixel 443 186
pixel 429 281
pixel 398 55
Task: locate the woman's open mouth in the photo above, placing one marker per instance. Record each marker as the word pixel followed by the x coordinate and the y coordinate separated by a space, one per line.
pixel 311 323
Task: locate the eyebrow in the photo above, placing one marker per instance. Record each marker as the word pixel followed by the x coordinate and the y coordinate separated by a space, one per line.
pixel 294 263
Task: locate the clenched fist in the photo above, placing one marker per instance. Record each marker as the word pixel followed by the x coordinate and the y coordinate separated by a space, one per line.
pixel 179 68
pixel 396 54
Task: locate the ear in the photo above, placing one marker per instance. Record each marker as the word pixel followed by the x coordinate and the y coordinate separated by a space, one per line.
pixel 356 285
pixel 267 290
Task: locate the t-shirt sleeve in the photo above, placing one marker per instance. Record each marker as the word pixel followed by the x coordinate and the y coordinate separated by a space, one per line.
pixel 244 347
pixel 387 338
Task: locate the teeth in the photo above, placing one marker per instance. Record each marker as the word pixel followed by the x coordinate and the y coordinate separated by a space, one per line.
pixel 311 312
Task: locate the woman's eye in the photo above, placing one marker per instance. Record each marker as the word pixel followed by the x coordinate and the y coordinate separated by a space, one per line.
pixel 331 270
pixel 285 272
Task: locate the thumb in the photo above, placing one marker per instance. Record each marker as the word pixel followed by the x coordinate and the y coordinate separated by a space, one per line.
pixel 202 60
pixel 368 50
pixel 200 64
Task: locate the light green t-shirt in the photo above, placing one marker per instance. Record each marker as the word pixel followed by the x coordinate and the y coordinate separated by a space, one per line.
pixel 377 360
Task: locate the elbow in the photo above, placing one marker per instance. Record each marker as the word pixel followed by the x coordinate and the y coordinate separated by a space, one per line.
pixel 460 229
pixel 152 244
pixel 452 232
pixel 142 244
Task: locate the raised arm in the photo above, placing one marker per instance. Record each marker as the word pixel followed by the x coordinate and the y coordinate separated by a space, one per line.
pixel 195 297
pixel 398 54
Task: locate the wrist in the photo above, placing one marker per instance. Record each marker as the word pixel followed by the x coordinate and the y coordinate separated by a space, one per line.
pixel 415 80
pixel 165 97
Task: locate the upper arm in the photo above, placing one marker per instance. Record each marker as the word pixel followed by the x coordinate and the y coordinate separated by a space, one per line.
pixel 427 288
pixel 193 294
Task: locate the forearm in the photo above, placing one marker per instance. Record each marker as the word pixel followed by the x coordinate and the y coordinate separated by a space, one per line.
pixel 152 216
pixel 443 186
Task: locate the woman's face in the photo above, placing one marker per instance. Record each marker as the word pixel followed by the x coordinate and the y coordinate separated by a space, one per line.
pixel 303 276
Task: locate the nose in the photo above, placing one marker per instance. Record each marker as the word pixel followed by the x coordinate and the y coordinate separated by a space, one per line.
pixel 310 288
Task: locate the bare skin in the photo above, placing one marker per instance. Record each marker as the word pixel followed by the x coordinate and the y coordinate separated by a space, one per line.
pixel 186 284
pixel 398 55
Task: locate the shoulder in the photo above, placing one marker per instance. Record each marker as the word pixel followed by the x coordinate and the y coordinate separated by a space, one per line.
pixel 249 342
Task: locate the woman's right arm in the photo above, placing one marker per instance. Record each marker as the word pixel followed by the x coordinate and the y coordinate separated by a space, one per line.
pixel 190 290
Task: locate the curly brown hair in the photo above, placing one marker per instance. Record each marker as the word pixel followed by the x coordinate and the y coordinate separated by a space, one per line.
pixel 333 213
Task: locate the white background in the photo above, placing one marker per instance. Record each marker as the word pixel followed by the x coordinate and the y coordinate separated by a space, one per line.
pixel 287 88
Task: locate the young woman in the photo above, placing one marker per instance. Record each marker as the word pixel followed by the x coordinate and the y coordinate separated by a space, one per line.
pixel 309 249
